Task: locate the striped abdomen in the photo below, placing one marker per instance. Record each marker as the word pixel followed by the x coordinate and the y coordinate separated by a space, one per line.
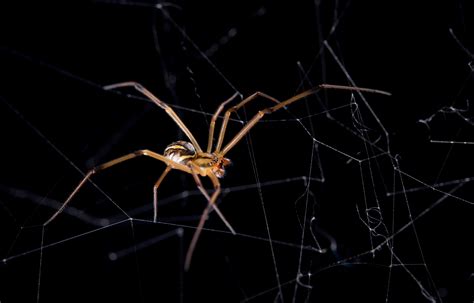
pixel 180 152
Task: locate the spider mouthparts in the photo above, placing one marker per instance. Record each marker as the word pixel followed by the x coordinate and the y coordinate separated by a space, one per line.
pixel 226 162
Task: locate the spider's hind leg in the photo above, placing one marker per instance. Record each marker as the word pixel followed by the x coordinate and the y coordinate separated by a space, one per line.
pixel 212 204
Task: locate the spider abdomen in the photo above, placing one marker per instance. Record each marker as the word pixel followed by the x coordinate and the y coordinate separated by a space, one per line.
pixel 180 152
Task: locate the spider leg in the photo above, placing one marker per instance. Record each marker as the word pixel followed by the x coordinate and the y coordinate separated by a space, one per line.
pixel 155 192
pixel 214 118
pixel 161 104
pixel 234 109
pixel 212 200
pixel 197 233
pixel 268 110
pixel 144 152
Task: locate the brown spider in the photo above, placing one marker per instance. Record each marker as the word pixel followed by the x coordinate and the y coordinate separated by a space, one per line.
pixel 190 158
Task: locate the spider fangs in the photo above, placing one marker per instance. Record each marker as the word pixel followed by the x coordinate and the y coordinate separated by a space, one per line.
pixel 184 153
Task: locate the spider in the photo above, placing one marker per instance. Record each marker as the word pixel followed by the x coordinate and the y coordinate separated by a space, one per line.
pixel 189 156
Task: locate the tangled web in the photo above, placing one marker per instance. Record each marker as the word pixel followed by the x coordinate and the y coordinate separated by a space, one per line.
pixel 342 195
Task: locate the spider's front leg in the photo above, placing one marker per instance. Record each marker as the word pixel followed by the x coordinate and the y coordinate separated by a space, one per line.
pixel 268 110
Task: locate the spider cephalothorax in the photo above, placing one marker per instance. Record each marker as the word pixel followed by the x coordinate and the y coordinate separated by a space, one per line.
pixel 185 153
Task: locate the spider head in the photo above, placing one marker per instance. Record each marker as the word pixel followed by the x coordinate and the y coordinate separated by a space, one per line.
pixel 219 168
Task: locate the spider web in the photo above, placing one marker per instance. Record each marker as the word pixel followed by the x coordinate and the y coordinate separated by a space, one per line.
pixel 339 196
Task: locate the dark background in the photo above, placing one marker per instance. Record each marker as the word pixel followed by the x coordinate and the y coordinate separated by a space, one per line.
pixel 54 60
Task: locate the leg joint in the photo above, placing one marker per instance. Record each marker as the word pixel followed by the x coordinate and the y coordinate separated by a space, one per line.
pixel 142 152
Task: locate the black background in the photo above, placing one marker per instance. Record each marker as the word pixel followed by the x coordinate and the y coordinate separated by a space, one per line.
pixel 55 58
